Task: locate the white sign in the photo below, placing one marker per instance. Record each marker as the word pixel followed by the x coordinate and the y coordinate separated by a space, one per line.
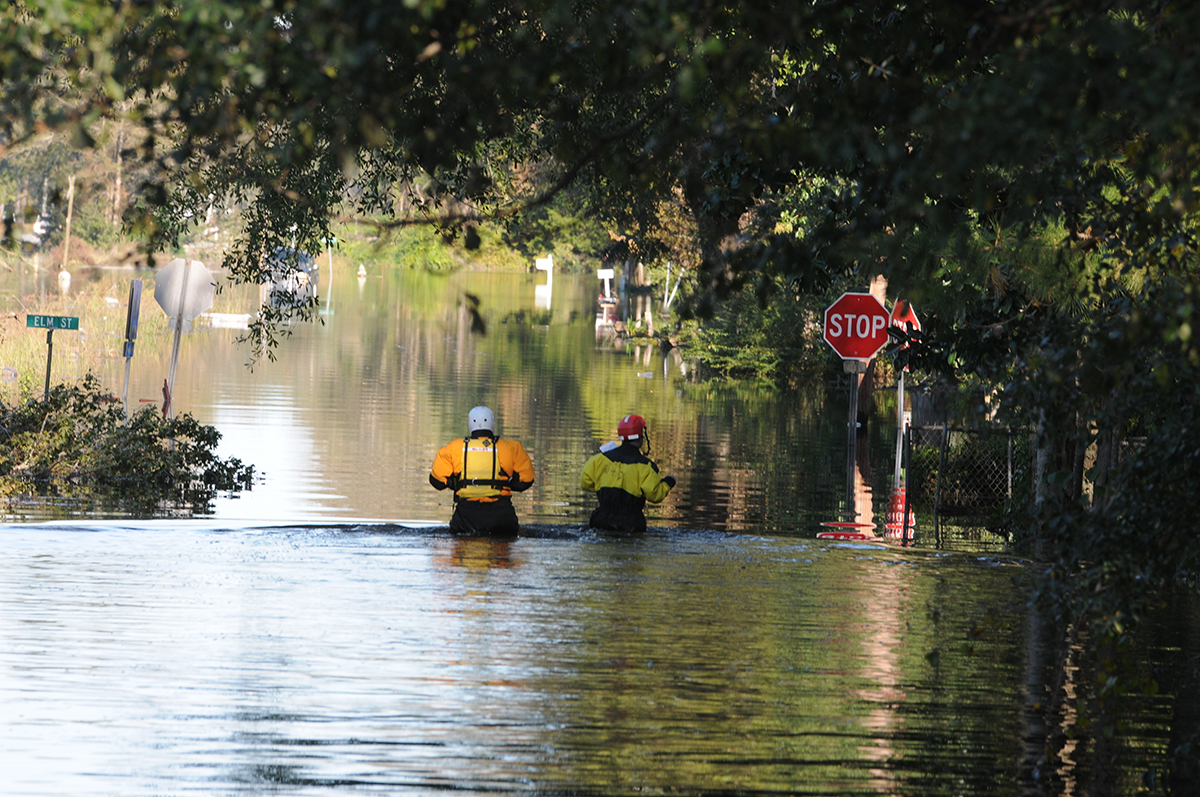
pixel 184 289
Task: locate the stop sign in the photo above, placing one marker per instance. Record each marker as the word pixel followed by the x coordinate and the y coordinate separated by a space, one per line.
pixel 184 289
pixel 903 315
pixel 856 326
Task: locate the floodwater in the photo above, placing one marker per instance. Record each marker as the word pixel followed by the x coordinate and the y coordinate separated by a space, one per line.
pixel 345 422
pixel 325 634
pixel 185 659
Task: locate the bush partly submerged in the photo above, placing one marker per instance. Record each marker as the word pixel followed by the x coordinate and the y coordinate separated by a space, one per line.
pixel 76 446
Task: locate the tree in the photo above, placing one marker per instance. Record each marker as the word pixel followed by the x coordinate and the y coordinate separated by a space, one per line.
pixel 78 444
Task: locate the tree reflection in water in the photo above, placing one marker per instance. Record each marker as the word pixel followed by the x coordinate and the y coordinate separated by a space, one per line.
pixel 724 650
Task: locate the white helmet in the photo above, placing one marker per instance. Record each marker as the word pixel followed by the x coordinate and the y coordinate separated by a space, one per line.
pixel 481 418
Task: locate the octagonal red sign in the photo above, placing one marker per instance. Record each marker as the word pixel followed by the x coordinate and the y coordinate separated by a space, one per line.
pixel 856 326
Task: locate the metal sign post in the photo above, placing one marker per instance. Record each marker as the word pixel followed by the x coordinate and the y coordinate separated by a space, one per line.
pixel 49 359
pixel 904 318
pixel 50 323
pixel 184 289
pixel 854 368
pixel 131 330
pixel 856 328
pixel 327 307
pixel 177 323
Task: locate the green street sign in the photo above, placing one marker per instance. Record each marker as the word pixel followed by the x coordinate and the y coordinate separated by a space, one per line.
pixel 52 321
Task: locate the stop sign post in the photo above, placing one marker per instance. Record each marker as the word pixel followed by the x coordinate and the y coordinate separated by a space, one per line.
pixel 184 289
pixel 904 318
pixel 856 327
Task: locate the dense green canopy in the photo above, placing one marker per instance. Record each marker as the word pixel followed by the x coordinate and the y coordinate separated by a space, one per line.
pixel 921 119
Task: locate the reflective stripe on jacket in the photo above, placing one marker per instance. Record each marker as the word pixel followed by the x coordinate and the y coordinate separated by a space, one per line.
pixel 482 468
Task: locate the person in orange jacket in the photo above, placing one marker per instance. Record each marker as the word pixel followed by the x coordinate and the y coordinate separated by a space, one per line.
pixel 484 471
pixel 624 479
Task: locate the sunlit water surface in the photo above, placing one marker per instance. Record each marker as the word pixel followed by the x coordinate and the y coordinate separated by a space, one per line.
pixel 324 634
pixel 149 659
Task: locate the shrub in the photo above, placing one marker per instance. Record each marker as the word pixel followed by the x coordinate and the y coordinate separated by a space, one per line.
pixel 76 444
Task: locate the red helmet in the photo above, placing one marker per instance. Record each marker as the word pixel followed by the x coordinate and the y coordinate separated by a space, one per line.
pixel 631 426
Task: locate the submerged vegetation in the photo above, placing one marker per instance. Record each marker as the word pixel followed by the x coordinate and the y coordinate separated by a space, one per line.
pixel 75 447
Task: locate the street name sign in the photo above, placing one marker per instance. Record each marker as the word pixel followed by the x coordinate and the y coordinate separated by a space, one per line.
pixel 52 321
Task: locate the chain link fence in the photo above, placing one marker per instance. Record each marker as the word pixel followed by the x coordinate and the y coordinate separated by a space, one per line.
pixel 970 476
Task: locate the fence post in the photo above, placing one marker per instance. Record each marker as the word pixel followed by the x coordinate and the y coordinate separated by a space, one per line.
pixel 937 493
pixel 1008 503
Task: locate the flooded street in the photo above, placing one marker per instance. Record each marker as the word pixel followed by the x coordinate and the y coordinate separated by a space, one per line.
pixel 345 422
pixel 190 659
pixel 323 633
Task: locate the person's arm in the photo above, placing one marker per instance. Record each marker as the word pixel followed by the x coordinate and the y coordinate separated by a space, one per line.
pixel 443 474
pixel 587 480
pixel 655 487
pixel 521 478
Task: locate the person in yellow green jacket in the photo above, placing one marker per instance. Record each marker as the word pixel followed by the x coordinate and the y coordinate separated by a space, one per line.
pixel 484 471
pixel 624 479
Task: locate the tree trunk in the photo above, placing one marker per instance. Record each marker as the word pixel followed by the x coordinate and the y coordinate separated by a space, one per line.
pixel 118 193
pixel 70 211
